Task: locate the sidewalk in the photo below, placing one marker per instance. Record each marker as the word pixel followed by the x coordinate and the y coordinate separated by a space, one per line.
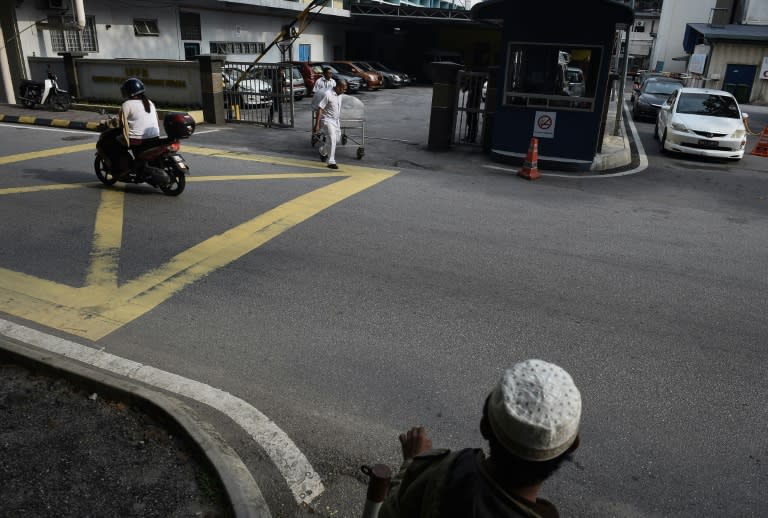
pixel 242 495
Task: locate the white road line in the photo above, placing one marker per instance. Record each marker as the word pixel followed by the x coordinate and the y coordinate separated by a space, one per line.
pixel 45 128
pixel 304 482
pixel 642 166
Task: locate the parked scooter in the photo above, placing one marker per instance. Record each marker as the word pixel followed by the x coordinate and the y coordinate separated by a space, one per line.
pixel 160 165
pixel 47 93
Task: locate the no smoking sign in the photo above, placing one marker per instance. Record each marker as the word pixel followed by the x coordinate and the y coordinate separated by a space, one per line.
pixel 544 124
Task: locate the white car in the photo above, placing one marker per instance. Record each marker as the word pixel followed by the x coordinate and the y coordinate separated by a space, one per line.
pixel 701 121
pixel 251 92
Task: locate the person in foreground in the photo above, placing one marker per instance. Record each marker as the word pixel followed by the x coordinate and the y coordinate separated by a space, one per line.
pixel 531 422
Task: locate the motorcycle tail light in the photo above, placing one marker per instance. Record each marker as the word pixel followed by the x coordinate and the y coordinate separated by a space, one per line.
pixel 173 147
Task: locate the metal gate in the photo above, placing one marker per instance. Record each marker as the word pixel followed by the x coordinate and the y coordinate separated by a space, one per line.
pixel 260 93
pixel 469 120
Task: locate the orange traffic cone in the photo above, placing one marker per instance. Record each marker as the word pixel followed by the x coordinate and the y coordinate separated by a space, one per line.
pixel 761 148
pixel 530 170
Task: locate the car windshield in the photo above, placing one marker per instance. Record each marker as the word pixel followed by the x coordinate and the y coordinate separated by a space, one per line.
pixel 364 66
pixel 661 87
pixel 574 76
pixel 295 73
pixel 708 104
pixel 379 66
pixel 344 68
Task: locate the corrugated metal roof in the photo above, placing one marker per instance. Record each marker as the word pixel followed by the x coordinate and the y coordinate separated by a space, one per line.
pixel 695 31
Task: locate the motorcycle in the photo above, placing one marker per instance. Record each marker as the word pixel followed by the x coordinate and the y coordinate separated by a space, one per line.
pixel 47 93
pixel 159 165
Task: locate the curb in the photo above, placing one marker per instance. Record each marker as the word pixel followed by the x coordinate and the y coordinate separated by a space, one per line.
pixel 242 492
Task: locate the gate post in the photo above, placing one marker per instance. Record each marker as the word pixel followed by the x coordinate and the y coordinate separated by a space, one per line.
pixel 212 87
pixel 443 105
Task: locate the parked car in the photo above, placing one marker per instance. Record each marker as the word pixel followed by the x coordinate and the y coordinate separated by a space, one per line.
pixel 701 121
pixel 390 78
pixel 299 87
pixel 250 92
pixel 354 84
pixel 648 99
pixel 574 82
pixel 371 80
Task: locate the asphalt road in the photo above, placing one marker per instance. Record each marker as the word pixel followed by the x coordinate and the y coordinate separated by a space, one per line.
pixel 401 304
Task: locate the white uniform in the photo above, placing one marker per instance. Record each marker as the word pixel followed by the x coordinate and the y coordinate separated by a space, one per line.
pixel 323 84
pixel 330 123
pixel 141 125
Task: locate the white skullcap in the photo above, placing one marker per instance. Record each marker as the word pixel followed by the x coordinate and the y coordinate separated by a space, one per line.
pixel 535 409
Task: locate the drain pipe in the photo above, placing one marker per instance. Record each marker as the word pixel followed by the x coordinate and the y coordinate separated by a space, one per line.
pixel 5 71
pixel 79 9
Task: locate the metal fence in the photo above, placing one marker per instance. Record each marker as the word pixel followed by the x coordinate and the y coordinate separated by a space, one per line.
pixel 470 108
pixel 261 93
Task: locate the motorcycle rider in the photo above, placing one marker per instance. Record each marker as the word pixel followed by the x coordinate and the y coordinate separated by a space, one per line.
pixel 141 130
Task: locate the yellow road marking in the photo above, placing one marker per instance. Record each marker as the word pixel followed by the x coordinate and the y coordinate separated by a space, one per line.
pixel 40 188
pixel 101 306
pixel 107 238
pixel 9 159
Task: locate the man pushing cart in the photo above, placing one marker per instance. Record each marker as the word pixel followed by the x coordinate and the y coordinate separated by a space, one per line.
pixel 333 116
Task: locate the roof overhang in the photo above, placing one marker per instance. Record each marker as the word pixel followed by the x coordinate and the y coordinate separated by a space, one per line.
pixel 695 32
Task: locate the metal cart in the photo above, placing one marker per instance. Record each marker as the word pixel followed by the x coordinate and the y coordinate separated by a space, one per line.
pixel 352 124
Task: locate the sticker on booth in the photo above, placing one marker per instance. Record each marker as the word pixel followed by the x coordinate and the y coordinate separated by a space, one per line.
pixel 764 69
pixel 544 125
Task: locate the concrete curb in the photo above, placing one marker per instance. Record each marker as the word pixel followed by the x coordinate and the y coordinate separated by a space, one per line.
pixel 243 493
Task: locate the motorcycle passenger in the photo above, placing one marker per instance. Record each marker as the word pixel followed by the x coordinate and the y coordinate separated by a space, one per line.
pixel 138 119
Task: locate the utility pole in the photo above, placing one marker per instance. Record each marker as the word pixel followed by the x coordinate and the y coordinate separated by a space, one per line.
pixel 622 80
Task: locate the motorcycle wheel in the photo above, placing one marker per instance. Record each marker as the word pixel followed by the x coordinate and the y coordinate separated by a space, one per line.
pixel 61 102
pixel 102 173
pixel 178 182
pixel 27 104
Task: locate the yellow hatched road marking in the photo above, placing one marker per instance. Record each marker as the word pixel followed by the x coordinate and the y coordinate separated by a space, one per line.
pixel 9 159
pixel 102 305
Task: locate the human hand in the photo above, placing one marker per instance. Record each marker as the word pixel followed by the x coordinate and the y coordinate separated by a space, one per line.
pixel 415 441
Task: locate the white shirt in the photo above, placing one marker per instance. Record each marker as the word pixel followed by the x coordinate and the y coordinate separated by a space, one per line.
pixel 141 125
pixel 324 84
pixel 331 105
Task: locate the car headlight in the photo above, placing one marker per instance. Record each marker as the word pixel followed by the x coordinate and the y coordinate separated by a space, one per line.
pixel 738 133
pixel 679 126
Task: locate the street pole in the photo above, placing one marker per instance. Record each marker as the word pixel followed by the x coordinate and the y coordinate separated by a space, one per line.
pixel 622 80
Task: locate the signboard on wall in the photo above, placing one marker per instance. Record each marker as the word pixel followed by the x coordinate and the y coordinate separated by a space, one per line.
pixel 764 69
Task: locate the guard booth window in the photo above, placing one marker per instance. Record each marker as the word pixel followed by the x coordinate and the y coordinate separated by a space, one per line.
pixel 562 77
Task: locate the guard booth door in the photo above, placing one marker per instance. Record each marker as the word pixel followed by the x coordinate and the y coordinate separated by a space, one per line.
pixel 263 96
pixel 470 108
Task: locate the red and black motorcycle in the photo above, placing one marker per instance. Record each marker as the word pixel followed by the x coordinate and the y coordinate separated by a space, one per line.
pixel 158 164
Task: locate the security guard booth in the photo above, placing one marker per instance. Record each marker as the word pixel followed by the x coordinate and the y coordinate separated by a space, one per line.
pixel 554 77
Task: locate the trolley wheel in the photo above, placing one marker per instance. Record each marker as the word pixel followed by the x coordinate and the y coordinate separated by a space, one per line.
pixel 344 139
pixel 360 153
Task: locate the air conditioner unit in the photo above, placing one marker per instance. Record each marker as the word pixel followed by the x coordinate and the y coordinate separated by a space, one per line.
pixel 57 4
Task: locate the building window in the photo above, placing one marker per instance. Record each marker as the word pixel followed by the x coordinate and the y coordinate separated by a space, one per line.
pixel 190 26
pixel 305 52
pixel 562 77
pixel 65 39
pixel 236 47
pixel 145 27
